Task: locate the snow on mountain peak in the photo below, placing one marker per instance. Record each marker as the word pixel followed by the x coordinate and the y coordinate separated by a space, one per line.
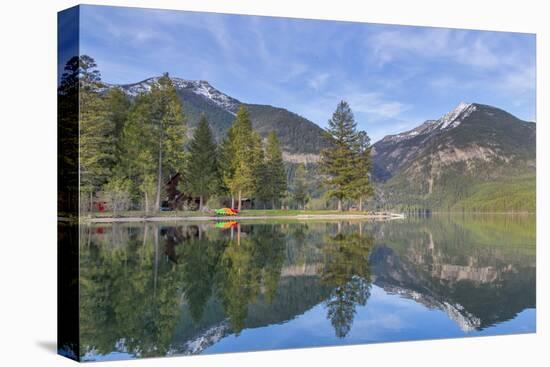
pixel 448 121
pixel 199 87
pixel 419 130
pixel 455 117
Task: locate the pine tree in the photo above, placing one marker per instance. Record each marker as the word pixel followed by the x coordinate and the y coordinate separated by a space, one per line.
pixel 97 152
pixel 362 184
pixel 68 139
pixel 89 76
pixel 275 168
pixel 137 161
pixel 118 107
pixel 271 173
pixel 227 164
pixel 263 192
pixel 245 154
pixel 202 171
pixel 338 161
pixel 169 132
pixel 300 192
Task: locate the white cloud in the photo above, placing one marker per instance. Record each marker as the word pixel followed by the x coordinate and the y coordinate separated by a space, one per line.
pixel 476 49
pixel 390 45
pixel 521 80
pixel 442 82
pixel 318 81
pixel 374 103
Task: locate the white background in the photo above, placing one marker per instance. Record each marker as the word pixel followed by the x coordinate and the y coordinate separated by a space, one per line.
pixel 28 182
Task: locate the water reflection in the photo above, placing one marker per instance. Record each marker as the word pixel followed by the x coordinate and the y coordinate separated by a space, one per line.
pixel 346 270
pixel 154 289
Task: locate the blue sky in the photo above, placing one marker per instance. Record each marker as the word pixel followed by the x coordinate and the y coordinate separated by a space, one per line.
pixel 394 77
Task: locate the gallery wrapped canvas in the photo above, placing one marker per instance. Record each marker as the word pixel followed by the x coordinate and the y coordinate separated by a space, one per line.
pixel 233 183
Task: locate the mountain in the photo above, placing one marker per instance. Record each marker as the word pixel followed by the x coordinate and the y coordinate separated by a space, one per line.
pixel 475 157
pixel 443 163
pixel 301 139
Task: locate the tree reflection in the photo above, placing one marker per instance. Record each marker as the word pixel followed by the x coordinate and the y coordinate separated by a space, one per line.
pixel 346 268
pixel 130 292
pixel 134 280
pixel 199 257
pixel 129 298
pixel 248 263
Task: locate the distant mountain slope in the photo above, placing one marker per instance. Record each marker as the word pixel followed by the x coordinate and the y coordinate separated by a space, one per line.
pixel 300 138
pixel 297 134
pixel 441 162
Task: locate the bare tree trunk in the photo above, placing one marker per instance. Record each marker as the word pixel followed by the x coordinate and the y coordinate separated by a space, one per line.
pixel 200 203
pixel 360 203
pixel 232 201
pixel 159 178
pixel 339 205
pixel 239 204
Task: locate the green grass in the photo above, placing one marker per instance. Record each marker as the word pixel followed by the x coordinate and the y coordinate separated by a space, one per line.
pixel 278 212
pixel 243 213
pixel 141 213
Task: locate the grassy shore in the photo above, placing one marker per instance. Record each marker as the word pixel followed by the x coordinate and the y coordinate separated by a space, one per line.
pixel 194 213
pixel 245 214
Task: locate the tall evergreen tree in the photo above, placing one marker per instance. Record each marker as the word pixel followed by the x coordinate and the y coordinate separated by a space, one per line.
pixel 272 174
pixel 89 76
pixel 362 182
pixel 68 139
pixel 276 168
pixel 139 150
pixel 300 193
pixel 97 153
pixel 169 132
pixel 263 186
pixel 202 171
pixel 226 162
pixel 338 161
pixel 118 107
pixel 245 154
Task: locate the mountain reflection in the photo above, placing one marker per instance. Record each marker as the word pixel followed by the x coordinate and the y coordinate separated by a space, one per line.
pixel 154 289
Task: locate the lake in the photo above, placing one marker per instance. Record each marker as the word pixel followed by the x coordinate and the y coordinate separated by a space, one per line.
pixel 162 289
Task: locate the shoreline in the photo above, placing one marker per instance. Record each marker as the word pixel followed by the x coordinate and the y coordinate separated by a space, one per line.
pixel 389 216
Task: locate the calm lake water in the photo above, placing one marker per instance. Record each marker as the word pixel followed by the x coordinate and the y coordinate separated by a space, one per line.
pixel 170 289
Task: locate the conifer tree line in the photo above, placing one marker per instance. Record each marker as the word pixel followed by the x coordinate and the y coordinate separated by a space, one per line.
pixel 129 149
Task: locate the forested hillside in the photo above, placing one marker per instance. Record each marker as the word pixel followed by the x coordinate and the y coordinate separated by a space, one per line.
pixel 471 159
